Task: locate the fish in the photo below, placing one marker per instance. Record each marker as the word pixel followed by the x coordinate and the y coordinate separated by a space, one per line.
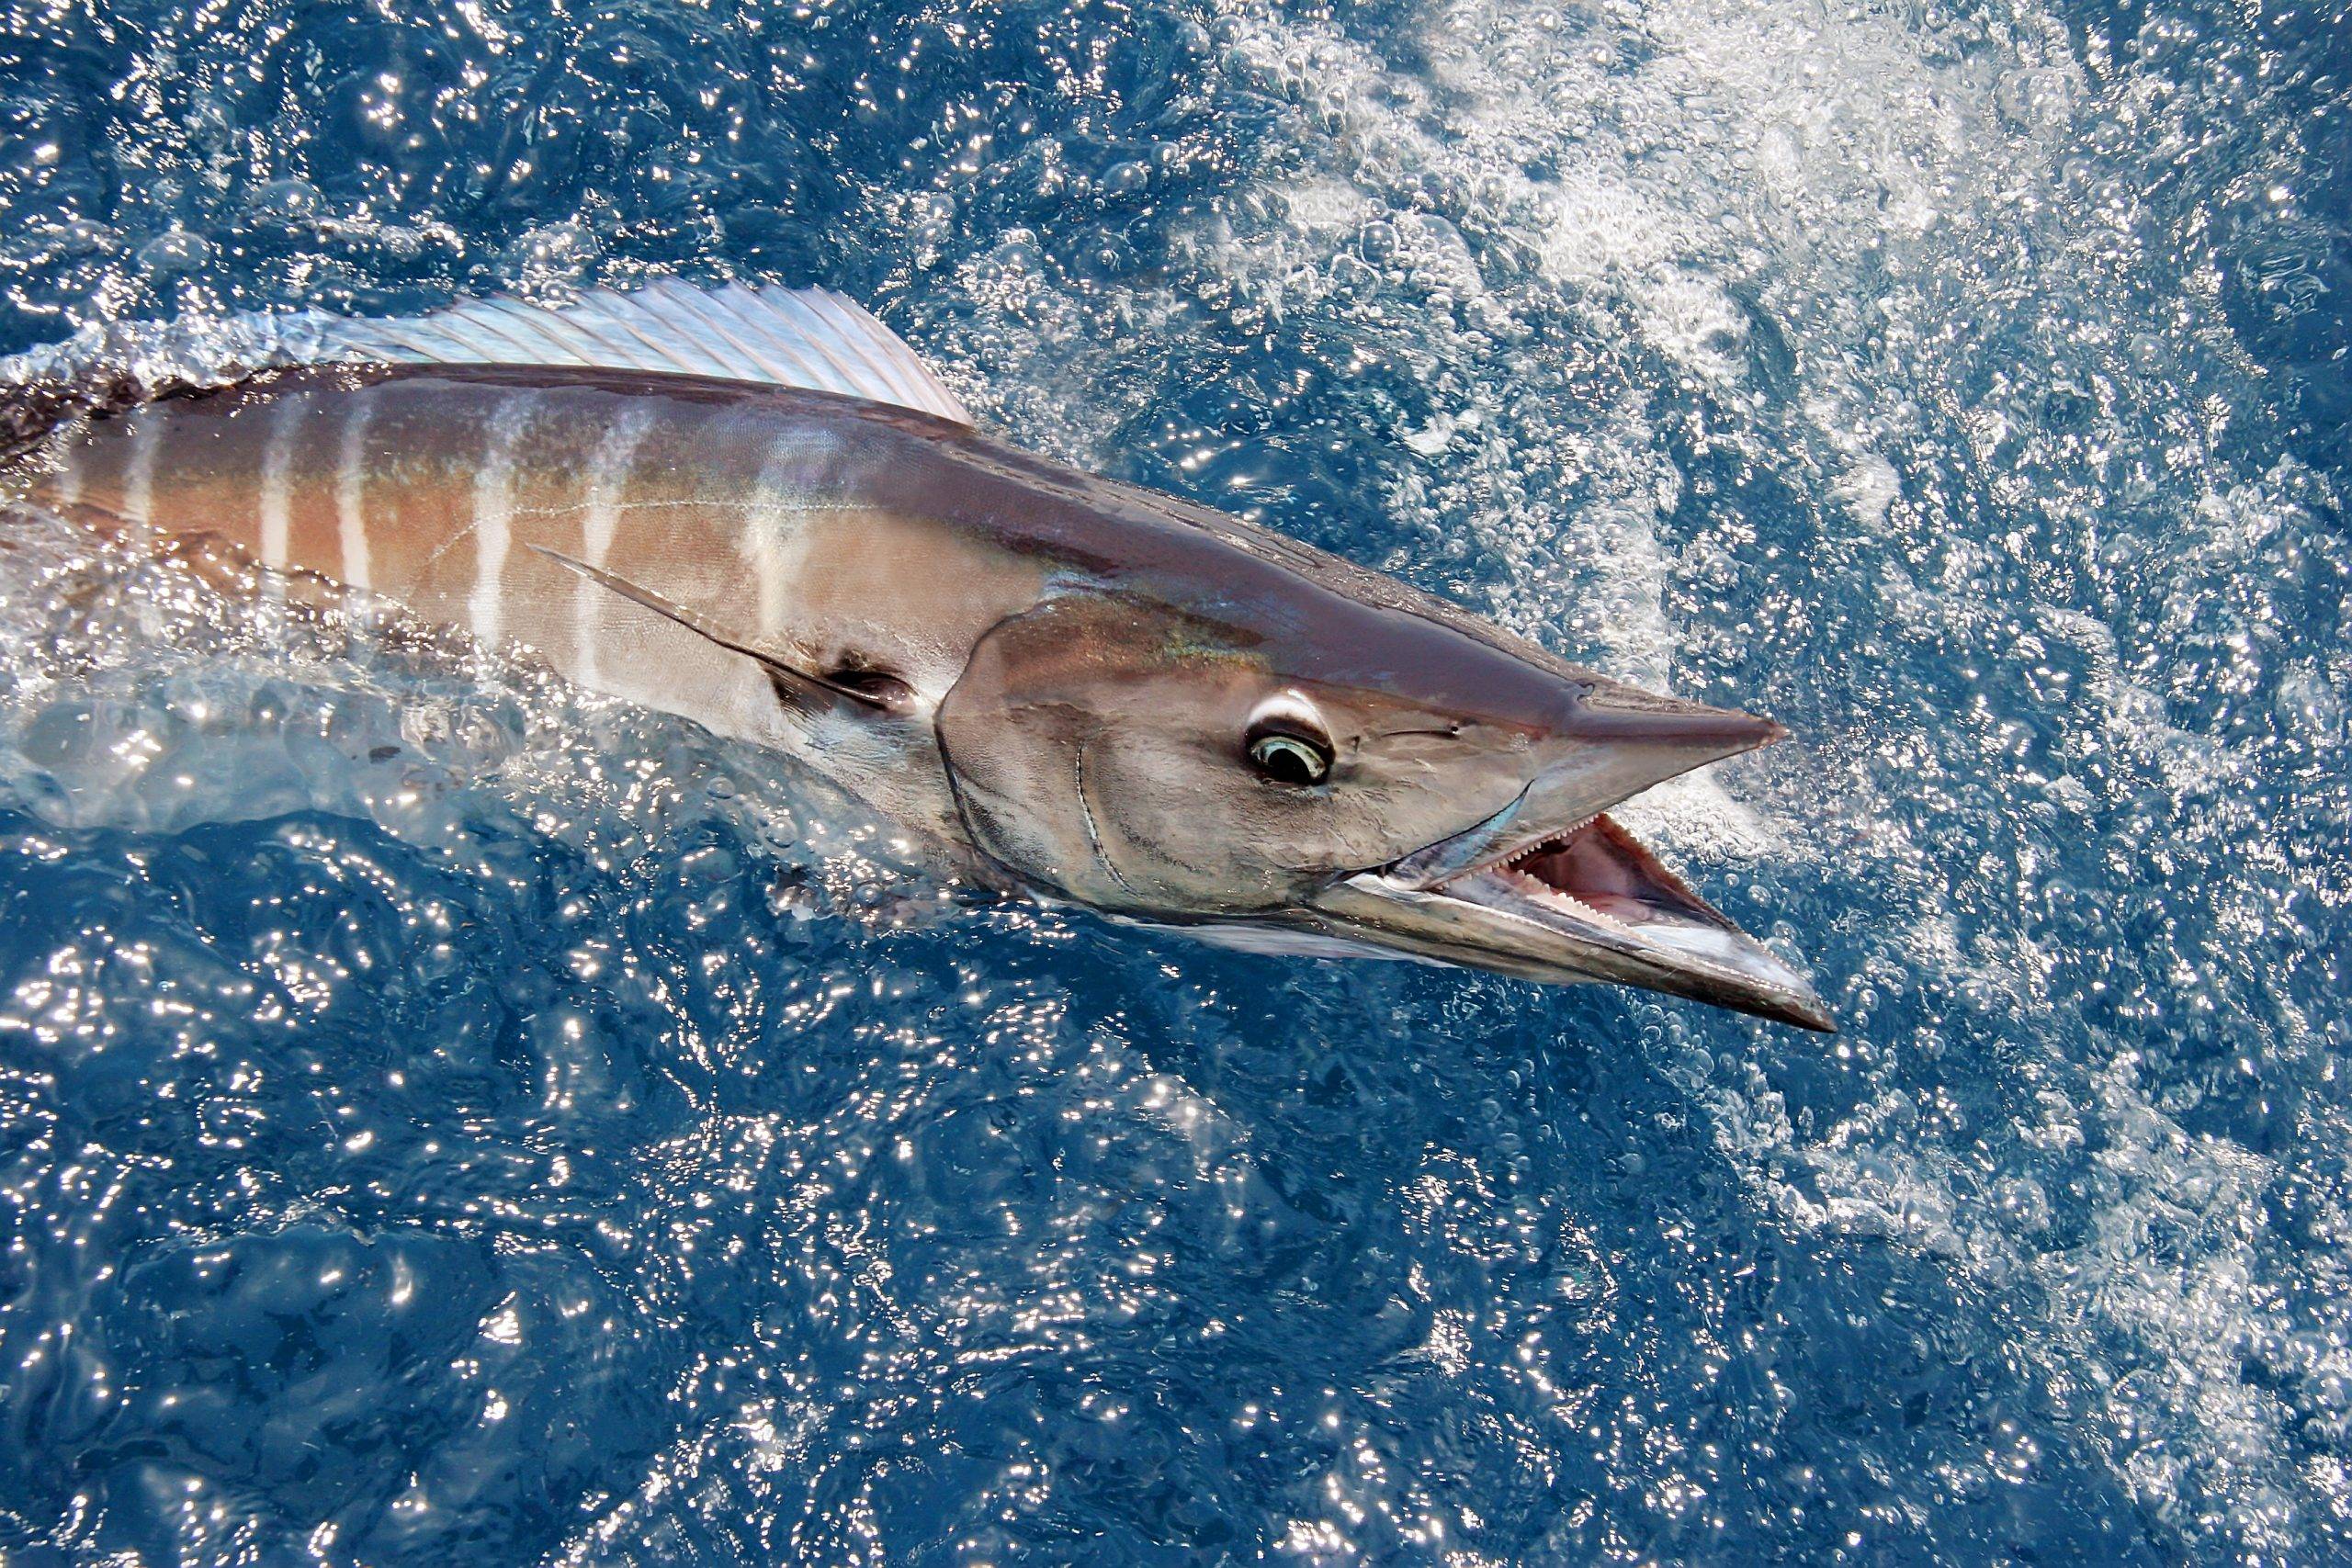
pixel 757 508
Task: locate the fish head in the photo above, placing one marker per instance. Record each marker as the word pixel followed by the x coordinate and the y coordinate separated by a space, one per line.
pixel 1311 770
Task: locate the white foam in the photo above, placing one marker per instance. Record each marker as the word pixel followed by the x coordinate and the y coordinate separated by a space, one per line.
pixel 1887 192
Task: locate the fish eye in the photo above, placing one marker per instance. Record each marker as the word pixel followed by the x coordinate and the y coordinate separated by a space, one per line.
pixel 1290 757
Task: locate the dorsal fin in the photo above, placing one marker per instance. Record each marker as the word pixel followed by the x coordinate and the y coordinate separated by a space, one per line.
pixel 811 338
pixel 782 337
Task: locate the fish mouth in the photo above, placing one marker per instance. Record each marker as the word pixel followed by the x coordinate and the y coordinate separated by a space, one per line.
pixel 1584 902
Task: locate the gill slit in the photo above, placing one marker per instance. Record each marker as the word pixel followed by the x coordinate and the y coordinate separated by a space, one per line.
pixel 1094 834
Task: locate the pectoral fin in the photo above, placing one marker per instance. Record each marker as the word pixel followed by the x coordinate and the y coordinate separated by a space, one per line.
pixel 860 690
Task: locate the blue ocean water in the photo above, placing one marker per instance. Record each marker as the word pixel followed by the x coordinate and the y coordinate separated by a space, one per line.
pixel 448 1117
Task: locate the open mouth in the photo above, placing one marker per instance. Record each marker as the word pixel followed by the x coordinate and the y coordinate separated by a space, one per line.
pixel 1585 902
pixel 1597 873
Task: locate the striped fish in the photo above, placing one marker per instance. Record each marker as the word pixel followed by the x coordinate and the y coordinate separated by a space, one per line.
pixel 758 509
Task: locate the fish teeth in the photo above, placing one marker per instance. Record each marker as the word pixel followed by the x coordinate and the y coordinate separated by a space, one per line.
pixel 1533 887
pixel 1547 845
pixel 1544 891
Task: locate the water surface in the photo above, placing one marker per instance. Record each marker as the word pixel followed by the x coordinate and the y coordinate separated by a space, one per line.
pixel 444 1117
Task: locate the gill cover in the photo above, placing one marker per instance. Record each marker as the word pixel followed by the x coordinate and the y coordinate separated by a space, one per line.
pixel 1019 732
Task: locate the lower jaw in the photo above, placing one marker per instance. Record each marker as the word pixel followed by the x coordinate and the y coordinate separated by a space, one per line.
pixel 1513 934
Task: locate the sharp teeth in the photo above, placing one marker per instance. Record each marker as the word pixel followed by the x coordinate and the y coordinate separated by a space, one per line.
pixel 1529 885
pixel 1545 846
pixel 1537 887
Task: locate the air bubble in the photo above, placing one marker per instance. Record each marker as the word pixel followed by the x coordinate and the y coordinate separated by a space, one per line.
pixel 289 200
pixel 175 251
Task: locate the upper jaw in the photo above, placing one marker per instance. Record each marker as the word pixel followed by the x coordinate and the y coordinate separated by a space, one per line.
pixel 1613 742
pixel 1551 889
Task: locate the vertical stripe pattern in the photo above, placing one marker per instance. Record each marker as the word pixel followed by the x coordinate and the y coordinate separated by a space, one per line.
pixel 65 484
pixel 139 478
pixel 763 541
pixel 774 538
pixel 495 517
pixel 350 477
pixel 277 471
pixel 599 523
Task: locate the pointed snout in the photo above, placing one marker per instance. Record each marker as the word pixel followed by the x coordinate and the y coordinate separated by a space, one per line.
pixel 1616 740
pixel 1613 711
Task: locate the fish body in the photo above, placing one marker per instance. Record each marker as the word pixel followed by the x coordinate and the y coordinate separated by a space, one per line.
pixel 1070 686
pixel 832 534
